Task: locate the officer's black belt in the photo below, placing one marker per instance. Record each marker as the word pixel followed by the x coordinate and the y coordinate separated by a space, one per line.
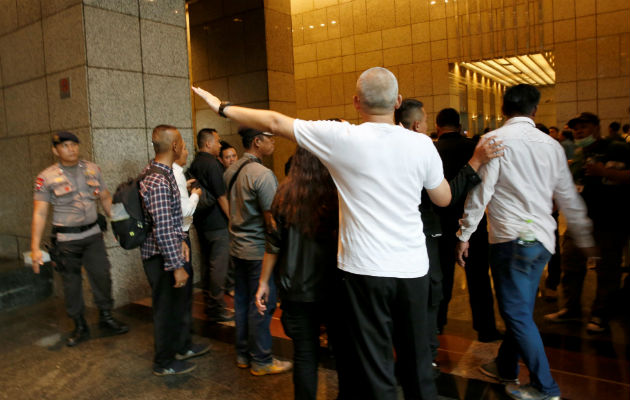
pixel 72 229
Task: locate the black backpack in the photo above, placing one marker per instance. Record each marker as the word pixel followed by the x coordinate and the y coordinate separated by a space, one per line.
pixel 129 224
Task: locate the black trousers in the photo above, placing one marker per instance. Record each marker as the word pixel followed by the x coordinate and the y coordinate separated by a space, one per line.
pixel 169 305
pixel 378 315
pixel 479 287
pixel 301 322
pixel 215 248
pixel 89 253
pixel 185 339
pixel 435 292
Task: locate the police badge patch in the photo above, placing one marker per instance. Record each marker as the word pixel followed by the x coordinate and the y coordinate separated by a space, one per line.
pixel 39 183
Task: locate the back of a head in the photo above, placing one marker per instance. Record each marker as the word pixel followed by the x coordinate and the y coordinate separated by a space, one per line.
pixel 543 128
pixel 447 117
pixel 377 89
pixel 614 126
pixel 162 138
pixel 519 100
pixel 204 135
pixel 568 134
pixel 307 199
pixel 409 111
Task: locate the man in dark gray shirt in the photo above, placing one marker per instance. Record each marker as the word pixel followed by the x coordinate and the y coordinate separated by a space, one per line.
pixel 251 187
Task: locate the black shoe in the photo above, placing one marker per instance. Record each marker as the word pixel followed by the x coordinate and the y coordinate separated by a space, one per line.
pixel 487 337
pixel 223 316
pixel 110 324
pixel 80 334
pixel 195 350
pixel 176 367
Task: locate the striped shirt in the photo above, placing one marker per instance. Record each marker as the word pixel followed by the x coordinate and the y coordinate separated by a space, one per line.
pixel 161 200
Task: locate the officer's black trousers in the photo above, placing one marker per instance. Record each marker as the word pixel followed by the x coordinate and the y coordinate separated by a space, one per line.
pixel 169 308
pixel 378 315
pixel 89 253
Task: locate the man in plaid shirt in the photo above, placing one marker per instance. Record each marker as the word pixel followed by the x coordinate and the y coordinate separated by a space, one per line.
pixel 164 252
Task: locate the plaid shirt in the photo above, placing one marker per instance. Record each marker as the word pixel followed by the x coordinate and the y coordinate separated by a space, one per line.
pixel 160 197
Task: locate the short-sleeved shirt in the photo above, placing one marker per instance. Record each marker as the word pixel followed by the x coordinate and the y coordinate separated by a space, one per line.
pixel 379 170
pixel 209 173
pixel 73 192
pixel 251 195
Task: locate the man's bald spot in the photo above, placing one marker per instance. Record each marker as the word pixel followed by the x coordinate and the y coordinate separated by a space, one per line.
pixel 377 90
pixel 163 138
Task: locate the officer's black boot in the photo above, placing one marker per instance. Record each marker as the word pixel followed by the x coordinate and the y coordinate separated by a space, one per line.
pixel 81 332
pixel 110 324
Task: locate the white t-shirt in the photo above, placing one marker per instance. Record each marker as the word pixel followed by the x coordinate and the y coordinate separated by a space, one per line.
pixel 379 170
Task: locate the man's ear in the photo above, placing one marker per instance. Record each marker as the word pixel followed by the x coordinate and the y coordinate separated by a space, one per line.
pixel 356 102
pixel 534 112
pixel 55 152
pixel 398 102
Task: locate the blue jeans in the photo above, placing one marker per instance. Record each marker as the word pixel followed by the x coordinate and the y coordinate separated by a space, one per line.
pixel 253 338
pixel 516 271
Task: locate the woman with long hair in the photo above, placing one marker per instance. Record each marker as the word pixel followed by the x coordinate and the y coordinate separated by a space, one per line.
pixel 303 250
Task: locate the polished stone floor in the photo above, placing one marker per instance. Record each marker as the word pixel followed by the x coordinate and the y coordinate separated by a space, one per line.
pixel 36 365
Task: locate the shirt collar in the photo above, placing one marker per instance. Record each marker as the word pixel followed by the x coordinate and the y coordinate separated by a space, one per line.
pixel 516 120
pixel 253 157
pixel 161 166
pixel 177 167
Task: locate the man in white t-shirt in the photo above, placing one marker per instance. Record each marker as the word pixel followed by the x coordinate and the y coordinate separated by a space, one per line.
pixel 383 288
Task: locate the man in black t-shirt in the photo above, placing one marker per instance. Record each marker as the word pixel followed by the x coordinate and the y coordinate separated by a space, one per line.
pixel 601 172
pixel 211 223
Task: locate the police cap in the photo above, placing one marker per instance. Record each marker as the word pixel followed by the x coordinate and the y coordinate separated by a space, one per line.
pixel 62 136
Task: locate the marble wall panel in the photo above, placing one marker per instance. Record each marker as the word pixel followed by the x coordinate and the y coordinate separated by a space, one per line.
pixel 611 5
pixel 164 49
pixel 209 119
pixel 613 87
pixel 129 282
pixel 116 98
pixel 247 88
pixel 3 118
pixel 26 108
pixel 381 14
pixel 121 6
pixel 121 154
pixel 8 16
pixel 16 183
pixel 368 60
pixel 69 112
pixel 167 101
pixel 281 86
pixel 8 247
pixel 28 11
pixel 40 153
pixel 587 89
pixel 22 54
pixel 279 43
pixel 64 42
pixel 283 6
pixel 396 37
pixel 112 40
pixel 218 87
pixel 167 11
pixel 584 7
pixel 50 7
pixel 608 60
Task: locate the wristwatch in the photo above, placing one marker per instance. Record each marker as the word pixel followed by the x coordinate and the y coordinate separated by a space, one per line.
pixel 222 107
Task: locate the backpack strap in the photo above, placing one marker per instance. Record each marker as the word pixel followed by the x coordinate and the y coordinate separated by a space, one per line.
pixel 233 180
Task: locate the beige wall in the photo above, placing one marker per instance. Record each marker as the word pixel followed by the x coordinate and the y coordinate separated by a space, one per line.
pixel 128 68
pixel 242 52
pixel 417 40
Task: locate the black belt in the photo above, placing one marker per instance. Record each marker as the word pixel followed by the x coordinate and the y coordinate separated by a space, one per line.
pixel 72 229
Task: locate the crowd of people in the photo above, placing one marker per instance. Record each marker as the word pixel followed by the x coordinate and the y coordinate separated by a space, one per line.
pixel 362 236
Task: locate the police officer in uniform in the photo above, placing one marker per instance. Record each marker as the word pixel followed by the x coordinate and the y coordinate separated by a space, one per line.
pixel 73 187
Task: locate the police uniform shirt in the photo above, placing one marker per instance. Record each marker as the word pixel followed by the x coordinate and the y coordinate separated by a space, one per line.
pixel 73 192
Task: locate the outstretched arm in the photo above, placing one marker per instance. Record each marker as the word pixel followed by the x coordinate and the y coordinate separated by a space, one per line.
pixel 263 120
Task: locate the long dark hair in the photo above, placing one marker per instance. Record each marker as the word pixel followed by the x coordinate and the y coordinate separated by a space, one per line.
pixel 307 199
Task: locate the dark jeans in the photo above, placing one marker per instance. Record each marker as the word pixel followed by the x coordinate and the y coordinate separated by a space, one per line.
pixel 516 271
pixel 89 253
pixel 185 339
pixel 301 322
pixel 608 271
pixel 479 287
pixel 253 338
pixel 376 315
pixel 169 308
pixel 215 247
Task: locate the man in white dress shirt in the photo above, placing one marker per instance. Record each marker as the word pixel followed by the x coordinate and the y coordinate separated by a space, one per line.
pixel 189 204
pixel 518 190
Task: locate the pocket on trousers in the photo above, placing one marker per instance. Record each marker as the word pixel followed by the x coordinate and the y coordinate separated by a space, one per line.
pixel 523 257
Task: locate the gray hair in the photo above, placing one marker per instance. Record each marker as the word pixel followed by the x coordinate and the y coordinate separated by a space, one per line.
pixel 377 89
